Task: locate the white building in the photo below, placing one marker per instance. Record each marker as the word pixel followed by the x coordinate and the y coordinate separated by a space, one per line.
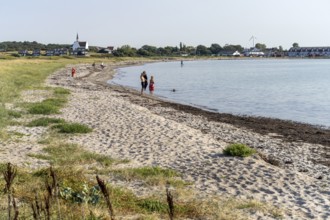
pixel 79 45
pixel 253 52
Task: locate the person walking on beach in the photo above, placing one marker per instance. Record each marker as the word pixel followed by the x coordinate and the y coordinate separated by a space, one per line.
pixel 151 85
pixel 73 71
pixel 144 81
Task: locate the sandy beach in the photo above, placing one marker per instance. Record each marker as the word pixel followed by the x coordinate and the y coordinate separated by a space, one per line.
pixel 291 170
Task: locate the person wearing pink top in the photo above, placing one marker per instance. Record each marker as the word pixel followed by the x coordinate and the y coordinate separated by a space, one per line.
pixel 151 85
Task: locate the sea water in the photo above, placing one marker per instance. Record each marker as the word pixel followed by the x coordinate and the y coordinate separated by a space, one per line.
pixel 290 89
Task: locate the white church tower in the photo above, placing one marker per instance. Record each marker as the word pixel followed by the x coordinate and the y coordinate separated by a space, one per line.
pixel 79 45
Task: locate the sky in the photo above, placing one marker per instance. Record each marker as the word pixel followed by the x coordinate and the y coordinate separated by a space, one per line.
pixel 163 23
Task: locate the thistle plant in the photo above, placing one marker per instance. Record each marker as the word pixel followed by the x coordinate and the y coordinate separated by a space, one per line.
pixel 9 175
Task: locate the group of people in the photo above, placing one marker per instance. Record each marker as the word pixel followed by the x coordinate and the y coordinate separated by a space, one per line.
pixel 144 83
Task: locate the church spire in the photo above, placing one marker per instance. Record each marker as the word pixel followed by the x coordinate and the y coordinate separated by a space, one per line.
pixel 77 37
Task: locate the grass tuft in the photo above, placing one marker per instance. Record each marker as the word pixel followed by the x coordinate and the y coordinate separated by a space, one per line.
pixel 43 109
pixel 44 122
pixel 47 107
pixel 72 128
pixel 151 175
pixel 152 205
pixel 14 114
pixel 70 154
pixel 239 150
pixel 61 91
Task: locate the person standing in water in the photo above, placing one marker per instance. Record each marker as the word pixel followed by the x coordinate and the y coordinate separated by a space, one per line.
pixel 144 81
pixel 151 85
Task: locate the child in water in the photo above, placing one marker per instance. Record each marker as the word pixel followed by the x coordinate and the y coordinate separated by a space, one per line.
pixel 152 85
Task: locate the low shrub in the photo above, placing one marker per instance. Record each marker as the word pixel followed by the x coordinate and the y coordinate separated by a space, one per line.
pixel 239 150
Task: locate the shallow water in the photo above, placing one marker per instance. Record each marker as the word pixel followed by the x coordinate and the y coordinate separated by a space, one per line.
pixel 297 89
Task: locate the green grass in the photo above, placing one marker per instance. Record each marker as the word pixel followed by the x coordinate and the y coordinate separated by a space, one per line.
pixel 239 150
pixel 72 128
pixel 61 91
pixel 152 205
pixel 46 107
pixel 151 176
pixel 14 114
pixel 43 109
pixel 63 154
pixel 44 122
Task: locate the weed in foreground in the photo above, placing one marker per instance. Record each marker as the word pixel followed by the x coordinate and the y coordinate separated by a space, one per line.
pixel 9 175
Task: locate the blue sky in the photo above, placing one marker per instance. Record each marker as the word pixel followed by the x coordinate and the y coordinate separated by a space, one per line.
pixel 167 22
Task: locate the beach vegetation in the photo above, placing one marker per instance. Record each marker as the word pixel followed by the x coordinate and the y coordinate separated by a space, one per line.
pixel 61 91
pixel 43 108
pixel 14 114
pixel 239 150
pixel 47 106
pixel 151 176
pixel 44 122
pixel 257 206
pixel 63 154
pixel 72 128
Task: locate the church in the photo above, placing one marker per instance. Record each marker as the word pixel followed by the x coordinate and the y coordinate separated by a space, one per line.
pixel 79 47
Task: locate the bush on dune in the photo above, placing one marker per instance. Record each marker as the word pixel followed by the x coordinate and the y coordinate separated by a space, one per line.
pixel 239 150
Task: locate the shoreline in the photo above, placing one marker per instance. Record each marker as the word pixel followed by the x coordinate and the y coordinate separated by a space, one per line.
pixel 292 164
pixel 285 130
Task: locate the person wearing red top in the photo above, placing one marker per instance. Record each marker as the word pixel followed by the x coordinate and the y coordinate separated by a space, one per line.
pixel 151 85
pixel 73 71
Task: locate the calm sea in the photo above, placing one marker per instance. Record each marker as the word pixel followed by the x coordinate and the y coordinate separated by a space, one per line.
pixel 297 89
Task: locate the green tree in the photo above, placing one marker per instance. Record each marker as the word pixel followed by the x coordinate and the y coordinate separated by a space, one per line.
pixel 127 50
pixel 147 50
pixel 228 47
pixel 261 46
pixel 295 45
pixel 191 50
pixel 215 48
pixel 202 50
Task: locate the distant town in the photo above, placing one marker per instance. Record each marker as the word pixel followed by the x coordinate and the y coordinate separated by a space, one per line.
pixel 82 48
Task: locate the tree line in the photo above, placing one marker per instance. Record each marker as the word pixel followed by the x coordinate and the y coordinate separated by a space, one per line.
pixel 146 50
